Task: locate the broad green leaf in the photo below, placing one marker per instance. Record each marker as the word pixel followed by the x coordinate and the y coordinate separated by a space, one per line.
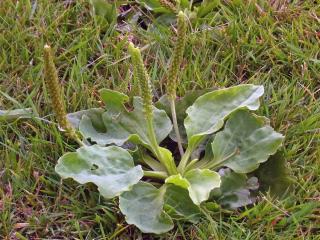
pixel 95 115
pixel 181 106
pixel 209 111
pixel 123 125
pixel 206 160
pixel 168 159
pixel 140 156
pixel 104 11
pixel 199 182
pixel 143 207
pixel 274 176
pixel 206 7
pixel 114 100
pixel 231 181
pixel 234 191
pixel 153 5
pixel 163 21
pixel 179 181
pixel 208 154
pixel 202 181
pixel 12 115
pixel 110 168
pixel 244 143
pixel 184 4
pixel 177 199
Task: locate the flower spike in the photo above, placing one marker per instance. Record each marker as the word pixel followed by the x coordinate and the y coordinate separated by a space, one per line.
pixel 168 5
pixel 52 84
pixel 177 55
pixel 143 78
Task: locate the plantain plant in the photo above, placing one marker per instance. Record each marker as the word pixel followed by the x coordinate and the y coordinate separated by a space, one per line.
pixel 164 10
pixel 164 168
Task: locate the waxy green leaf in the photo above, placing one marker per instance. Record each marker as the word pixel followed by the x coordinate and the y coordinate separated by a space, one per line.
pixel 273 176
pixel 143 207
pixel 181 106
pixel 181 103
pixel 177 199
pixel 202 181
pixel 244 143
pixel 235 189
pixel 207 7
pixel 199 182
pixel 123 125
pixel 106 13
pixel 179 181
pixel 153 5
pixel 95 115
pixel 110 168
pixel 12 115
pixel 209 111
pixel 168 159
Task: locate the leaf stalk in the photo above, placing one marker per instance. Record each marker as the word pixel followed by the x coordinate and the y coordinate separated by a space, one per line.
pixel 184 160
pixel 175 126
pixel 155 174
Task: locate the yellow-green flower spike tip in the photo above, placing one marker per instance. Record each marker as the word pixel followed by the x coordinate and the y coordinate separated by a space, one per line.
pixel 143 78
pixel 177 55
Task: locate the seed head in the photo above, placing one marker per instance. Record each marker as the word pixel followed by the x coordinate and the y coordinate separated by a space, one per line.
pixel 168 5
pixel 177 55
pixel 53 88
pixel 143 78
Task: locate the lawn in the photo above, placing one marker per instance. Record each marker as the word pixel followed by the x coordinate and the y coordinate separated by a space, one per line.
pixel 277 46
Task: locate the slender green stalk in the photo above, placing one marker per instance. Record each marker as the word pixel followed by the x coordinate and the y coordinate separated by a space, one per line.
pixel 53 87
pixel 191 164
pixel 150 162
pixel 184 160
pixel 155 174
pixel 217 164
pixel 169 165
pixel 175 126
pixel 173 73
pixel 154 143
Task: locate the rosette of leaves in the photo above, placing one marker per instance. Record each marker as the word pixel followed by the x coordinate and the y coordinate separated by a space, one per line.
pixel 164 10
pixel 154 188
pixel 127 152
pixel 147 183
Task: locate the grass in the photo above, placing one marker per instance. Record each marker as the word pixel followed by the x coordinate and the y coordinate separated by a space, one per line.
pixel 244 42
